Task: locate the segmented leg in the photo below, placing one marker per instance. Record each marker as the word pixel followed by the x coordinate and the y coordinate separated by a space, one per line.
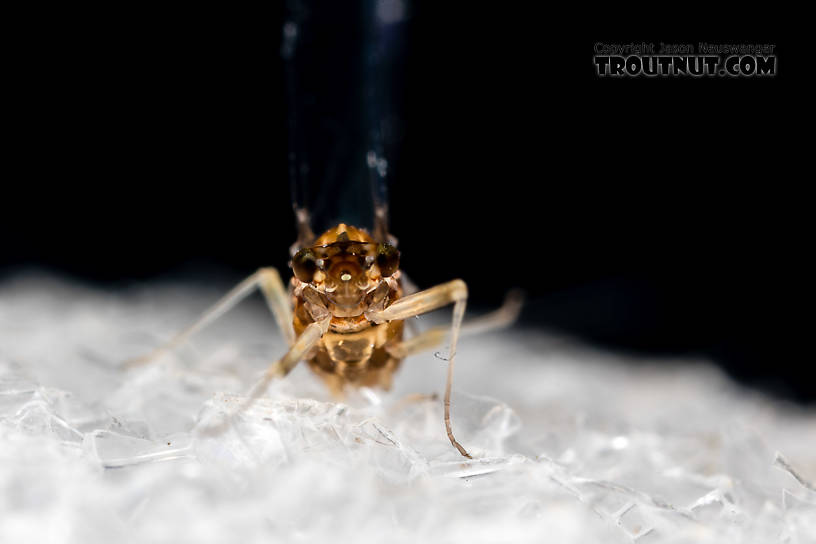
pixel 308 339
pixel 409 288
pixel 426 301
pixel 305 342
pixel 277 298
pixel 432 338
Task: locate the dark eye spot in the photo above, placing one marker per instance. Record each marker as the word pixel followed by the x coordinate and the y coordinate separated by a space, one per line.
pixel 387 259
pixel 304 264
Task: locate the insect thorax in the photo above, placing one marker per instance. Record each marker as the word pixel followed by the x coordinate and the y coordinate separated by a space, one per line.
pixel 358 357
pixel 346 272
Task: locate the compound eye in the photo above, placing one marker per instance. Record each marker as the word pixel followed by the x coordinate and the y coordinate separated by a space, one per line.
pixel 387 259
pixel 304 264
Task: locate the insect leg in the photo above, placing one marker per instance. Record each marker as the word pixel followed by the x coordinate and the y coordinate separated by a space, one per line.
pixel 426 301
pixel 308 339
pixel 409 288
pixel 268 279
pixel 278 300
pixel 432 338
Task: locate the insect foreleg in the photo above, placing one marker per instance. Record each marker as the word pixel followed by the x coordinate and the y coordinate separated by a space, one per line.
pixel 454 292
pixel 433 337
pixel 268 279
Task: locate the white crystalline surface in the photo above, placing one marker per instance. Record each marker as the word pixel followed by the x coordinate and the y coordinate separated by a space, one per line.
pixel 571 444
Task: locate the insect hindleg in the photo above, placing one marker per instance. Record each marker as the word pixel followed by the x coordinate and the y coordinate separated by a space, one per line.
pixel 426 301
pixel 268 279
pixel 433 337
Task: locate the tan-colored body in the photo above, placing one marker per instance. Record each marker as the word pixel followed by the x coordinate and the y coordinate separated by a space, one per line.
pixel 354 350
pixel 358 358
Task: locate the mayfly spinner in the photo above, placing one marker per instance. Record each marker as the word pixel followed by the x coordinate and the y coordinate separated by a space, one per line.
pixel 344 309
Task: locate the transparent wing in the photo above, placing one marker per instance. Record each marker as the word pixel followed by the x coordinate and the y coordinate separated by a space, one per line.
pixel 343 78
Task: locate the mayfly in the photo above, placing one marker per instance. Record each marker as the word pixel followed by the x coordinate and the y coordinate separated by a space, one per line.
pixel 344 309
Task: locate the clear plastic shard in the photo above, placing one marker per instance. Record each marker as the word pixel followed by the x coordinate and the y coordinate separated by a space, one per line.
pixel 570 444
pixel 402 438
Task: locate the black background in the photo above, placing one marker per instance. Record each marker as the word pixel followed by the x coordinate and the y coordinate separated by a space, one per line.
pixel 658 216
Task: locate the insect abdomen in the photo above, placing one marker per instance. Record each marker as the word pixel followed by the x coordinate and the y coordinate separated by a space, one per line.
pixel 358 358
